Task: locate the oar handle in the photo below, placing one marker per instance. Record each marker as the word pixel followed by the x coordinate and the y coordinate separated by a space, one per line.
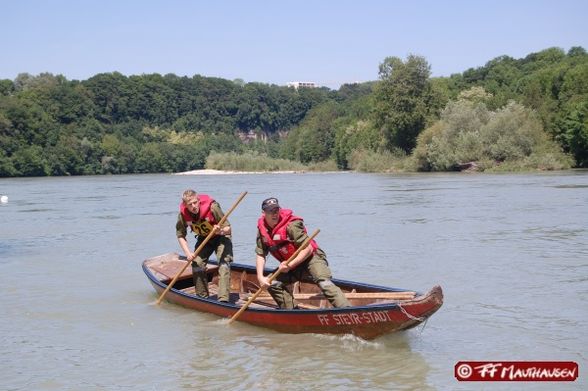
pixel 197 251
pixel 274 275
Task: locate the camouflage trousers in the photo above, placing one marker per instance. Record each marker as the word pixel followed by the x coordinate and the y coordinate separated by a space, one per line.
pixel 223 247
pixel 315 269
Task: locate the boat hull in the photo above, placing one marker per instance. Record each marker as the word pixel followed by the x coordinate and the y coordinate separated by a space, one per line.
pixel 364 321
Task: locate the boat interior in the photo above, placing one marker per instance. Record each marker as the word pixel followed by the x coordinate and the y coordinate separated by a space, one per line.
pixel 244 284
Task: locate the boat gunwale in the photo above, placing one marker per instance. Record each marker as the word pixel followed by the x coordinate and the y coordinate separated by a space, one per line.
pixel 418 296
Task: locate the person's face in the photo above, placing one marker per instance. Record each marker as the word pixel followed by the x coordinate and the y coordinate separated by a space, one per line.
pixel 193 205
pixel 272 217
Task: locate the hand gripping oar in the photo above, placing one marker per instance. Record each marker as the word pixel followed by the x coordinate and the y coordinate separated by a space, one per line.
pixel 197 251
pixel 274 275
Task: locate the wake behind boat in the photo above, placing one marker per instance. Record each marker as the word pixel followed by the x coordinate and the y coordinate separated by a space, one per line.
pixel 375 310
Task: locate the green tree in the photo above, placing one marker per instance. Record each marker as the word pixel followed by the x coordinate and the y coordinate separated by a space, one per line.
pixel 359 135
pixel 110 93
pixel 6 167
pixel 314 139
pixel 6 87
pixel 151 159
pixel 573 131
pixel 511 136
pixel 401 100
pixel 66 157
pixel 30 161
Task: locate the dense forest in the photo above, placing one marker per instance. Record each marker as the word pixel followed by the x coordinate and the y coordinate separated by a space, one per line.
pixel 510 114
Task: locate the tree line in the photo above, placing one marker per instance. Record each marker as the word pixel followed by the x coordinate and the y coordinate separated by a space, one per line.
pixel 532 111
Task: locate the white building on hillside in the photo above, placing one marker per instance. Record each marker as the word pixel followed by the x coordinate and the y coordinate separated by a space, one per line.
pixel 302 84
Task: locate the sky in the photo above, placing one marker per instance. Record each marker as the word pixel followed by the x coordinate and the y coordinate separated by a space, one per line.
pixel 276 42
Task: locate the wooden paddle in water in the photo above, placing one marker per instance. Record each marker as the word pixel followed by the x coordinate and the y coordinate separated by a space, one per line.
pixel 197 251
pixel 274 275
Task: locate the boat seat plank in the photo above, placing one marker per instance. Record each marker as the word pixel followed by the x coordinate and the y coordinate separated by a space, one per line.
pixel 356 295
pixel 170 269
pixel 269 302
pixel 257 303
pixel 305 306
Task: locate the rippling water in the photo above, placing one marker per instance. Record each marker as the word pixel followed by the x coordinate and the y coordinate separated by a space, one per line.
pixel 511 252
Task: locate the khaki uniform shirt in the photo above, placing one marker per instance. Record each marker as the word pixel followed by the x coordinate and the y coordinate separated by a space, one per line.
pixel 181 225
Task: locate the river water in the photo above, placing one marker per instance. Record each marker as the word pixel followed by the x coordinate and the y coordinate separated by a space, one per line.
pixel 510 251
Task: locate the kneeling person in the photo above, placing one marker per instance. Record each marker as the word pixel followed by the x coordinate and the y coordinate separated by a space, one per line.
pixel 281 233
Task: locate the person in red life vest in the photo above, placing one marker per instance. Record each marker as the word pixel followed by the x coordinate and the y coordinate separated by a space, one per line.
pixel 280 233
pixel 201 213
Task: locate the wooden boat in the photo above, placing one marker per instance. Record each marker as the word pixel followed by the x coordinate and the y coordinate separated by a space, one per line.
pixel 376 310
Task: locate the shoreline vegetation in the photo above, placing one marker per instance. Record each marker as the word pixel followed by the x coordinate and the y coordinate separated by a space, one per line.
pixel 374 162
pixel 510 115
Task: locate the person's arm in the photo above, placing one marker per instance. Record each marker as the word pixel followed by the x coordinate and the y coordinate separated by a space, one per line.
pixel 187 252
pixel 297 235
pixel 181 233
pixel 218 214
pixel 260 254
pixel 301 257
pixel 260 265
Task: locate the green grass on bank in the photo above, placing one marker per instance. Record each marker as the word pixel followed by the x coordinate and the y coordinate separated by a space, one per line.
pixel 249 161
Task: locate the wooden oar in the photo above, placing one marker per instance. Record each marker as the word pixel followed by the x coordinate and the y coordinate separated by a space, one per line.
pixel 274 275
pixel 197 251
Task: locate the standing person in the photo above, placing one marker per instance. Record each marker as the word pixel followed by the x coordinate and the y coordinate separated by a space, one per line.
pixel 280 233
pixel 201 213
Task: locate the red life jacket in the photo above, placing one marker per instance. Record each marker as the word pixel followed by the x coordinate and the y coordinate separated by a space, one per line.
pixel 206 220
pixel 276 239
